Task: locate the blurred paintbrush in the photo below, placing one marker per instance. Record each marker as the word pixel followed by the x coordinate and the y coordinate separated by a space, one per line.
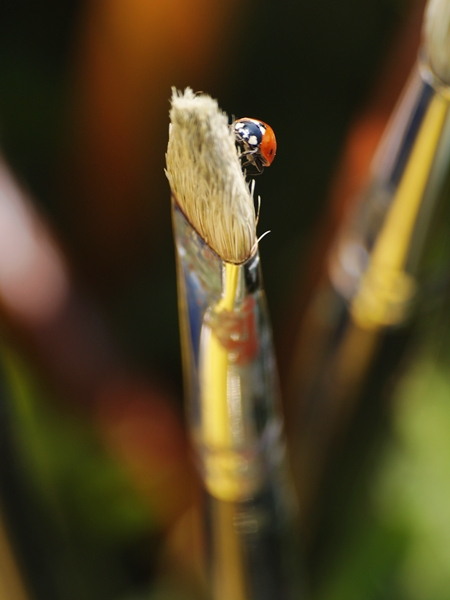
pixel 360 309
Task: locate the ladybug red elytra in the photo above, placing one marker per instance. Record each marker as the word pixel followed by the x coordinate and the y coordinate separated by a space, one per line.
pixel 256 141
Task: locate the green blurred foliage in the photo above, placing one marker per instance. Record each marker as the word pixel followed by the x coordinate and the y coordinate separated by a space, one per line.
pixel 64 458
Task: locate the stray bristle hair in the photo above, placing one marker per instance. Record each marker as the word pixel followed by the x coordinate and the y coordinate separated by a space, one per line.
pixel 206 177
pixel 437 37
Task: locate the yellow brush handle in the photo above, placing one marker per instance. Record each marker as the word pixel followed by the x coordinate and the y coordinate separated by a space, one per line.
pixel 216 423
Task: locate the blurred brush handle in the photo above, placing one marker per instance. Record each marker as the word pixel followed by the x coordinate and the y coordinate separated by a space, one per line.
pixel 253 550
pixel 375 277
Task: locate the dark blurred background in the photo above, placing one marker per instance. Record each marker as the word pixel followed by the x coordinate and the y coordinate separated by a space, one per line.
pixel 97 486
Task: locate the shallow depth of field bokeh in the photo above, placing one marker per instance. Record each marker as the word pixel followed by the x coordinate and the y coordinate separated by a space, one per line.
pixel 98 492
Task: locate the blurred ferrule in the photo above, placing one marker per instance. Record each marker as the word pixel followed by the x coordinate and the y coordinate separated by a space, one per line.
pixel 371 264
pixel 231 380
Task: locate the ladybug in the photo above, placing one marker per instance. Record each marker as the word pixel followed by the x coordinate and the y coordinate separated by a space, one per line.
pixel 256 142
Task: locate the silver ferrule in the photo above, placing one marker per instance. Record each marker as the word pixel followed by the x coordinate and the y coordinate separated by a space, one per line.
pixel 375 261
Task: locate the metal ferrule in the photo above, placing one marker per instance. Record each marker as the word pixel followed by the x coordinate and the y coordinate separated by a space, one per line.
pixel 229 367
pixel 374 263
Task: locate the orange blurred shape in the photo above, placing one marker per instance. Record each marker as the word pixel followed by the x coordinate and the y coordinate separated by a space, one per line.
pixel 131 53
pixel 142 429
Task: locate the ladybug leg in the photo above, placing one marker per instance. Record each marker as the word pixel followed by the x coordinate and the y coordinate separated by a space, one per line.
pixel 249 156
pixel 246 158
pixel 247 153
pixel 255 168
pixel 258 167
pixel 255 162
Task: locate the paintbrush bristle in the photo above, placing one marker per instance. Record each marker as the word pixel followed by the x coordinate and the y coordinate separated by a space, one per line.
pixel 437 37
pixel 206 177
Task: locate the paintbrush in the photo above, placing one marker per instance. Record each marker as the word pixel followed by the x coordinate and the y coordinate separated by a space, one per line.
pixel 229 366
pixel 373 287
